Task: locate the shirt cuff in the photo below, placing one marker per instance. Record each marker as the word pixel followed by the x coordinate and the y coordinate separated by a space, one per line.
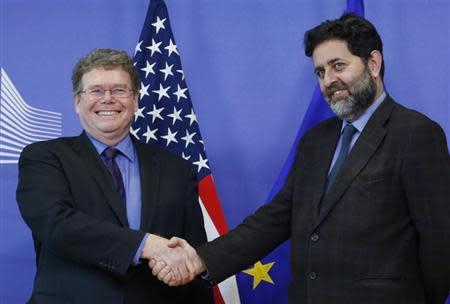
pixel 204 276
pixel 137 256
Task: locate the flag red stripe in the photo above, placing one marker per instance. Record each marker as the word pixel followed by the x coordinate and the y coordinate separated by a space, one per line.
pixel 208 194
pixel 218 299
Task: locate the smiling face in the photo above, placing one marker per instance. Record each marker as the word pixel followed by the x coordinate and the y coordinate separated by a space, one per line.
pixel 348 83
pixel 108 119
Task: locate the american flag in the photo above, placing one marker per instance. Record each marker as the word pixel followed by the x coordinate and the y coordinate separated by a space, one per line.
pixel 166 118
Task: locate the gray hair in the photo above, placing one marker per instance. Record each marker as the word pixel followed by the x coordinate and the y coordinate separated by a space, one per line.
pixel 106 59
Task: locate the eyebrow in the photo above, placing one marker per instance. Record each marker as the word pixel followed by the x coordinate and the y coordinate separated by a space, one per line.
pixel 329 62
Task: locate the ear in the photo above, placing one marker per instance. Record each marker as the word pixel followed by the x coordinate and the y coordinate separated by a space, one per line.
pixel 76 102
pixel 374 63
pixel 136 101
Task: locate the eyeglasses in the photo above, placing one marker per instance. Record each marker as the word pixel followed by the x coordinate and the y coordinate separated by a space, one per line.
pixel 97 93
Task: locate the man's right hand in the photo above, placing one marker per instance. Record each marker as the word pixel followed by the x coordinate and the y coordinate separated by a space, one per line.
pixel 172 264
pixel 170 270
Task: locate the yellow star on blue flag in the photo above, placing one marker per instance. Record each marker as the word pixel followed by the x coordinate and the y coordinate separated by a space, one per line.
pixel 260 272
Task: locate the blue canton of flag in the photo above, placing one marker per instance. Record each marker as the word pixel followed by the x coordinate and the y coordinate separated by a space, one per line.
pixel 166 118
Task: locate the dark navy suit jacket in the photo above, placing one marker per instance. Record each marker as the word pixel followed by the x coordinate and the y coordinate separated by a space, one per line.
pixel 84 248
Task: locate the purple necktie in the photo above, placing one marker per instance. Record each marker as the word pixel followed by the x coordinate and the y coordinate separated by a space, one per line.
pixel 110 154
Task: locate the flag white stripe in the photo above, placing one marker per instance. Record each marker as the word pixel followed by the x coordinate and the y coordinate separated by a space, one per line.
pixel 228 288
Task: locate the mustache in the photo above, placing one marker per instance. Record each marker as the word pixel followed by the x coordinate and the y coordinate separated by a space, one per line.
pixel 337 86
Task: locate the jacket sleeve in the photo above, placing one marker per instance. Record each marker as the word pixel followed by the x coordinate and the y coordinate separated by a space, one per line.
pixel 255 237
pixel 426 182
pixel 47 206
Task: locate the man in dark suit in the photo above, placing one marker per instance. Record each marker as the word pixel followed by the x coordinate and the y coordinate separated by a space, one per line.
pixel 367 202
pixel 98 203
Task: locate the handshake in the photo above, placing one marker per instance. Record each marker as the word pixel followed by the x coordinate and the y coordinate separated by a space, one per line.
pixel 173 261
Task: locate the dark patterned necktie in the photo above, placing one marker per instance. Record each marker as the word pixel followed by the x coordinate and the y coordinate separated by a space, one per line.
pixel 110 154
pixel 347 135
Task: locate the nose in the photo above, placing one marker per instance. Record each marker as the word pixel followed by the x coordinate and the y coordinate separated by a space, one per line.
pixel 107 97
pixel 329 78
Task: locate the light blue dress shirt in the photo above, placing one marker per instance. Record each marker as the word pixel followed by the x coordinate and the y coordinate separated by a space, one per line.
pixel 359 124
pixel 128 163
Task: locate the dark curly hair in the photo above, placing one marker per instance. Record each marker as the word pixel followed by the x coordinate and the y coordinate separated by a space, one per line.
pixel 361 36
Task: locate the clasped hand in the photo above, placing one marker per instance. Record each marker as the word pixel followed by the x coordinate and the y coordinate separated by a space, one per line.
pixel 173 261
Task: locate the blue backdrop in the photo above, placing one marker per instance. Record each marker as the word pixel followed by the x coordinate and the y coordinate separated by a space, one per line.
pixel 246 71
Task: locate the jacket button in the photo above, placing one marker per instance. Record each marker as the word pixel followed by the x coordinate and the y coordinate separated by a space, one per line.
pixel 315 237
pixel 313 275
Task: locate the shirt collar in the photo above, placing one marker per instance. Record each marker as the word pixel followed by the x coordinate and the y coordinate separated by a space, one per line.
pixel 125 146
pixel 361 122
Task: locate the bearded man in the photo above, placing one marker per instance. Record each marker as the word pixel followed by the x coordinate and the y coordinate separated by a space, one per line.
pixel 367 202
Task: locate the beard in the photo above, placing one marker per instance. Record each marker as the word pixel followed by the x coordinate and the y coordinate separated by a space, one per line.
pixel 361 94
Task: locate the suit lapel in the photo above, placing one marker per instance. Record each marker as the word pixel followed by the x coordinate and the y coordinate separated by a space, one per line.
pixel 360 154
pixel 94 165
pixel 149 168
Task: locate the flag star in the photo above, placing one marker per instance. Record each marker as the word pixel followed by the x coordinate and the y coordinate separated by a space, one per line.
pixel 159 24
pixel 144 90
pixel 138 47
pixel 172 48
pixel 135 132
pixel 192 117
pixel 138 113
pixel 180 93
pixel 154 47
pixel 170 137
pixel 186 157
pixel 167 71
pixel 156 113
pixel 260 272
pixel 150 134
pixel 182 74
pixel 188 138
pixel 175 115
pixel 149 69
pixel 162 92
pixel 201 163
